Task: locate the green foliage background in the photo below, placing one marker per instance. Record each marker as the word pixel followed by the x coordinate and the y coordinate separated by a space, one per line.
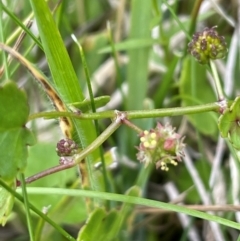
pixel 143 45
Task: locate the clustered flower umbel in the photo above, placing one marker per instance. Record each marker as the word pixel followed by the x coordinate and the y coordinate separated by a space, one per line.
pixel 66 148
pixel 207 45
pixel 161 146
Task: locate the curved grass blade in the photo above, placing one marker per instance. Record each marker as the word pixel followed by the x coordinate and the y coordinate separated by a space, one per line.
pixel 65 123
pixel 64 77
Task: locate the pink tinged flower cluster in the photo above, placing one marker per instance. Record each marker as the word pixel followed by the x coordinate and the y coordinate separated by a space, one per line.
pixel 162 146
pixel 66 148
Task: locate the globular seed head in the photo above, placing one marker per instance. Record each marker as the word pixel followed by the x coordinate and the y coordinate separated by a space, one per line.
pixel 207 45
pixel 66 147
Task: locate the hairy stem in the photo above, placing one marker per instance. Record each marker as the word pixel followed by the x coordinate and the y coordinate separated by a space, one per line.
pixel 79 157
pixel 26 203
pixel 133 114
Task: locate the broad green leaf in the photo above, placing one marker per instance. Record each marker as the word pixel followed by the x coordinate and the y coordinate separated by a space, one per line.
pixel 14 108
pixel 13 151
pixel 195 89
pixel 90 231
pixel 102 225
pixel 126 210
pixel 6 204
pixel 115 221
pixel 14 136
pixel 110 225
pixel 229 124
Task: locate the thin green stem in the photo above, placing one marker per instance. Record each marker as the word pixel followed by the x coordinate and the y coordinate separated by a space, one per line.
pixel 39 229
pixel 218 85
pixel 238 238
pixel 16 66
pixel 136 201
pixel 79 157
pixel 18 30
pixel 143 176
pixel 132 126
pixel 177 19
pixel 134 114
pixel 2 39
pixel 39 213
pixel 65 202
pixel 19 23
pixel 26 203
pixel 194 15
pixel 93 110
pixel 95 144
pixel 90 92
pixel 50 171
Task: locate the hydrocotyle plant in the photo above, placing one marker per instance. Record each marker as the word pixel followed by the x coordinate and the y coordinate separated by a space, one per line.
pixel 159 147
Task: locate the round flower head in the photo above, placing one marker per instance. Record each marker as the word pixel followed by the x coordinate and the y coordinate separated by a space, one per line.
pixel 161 146
pixel 66 147
pixel 207 45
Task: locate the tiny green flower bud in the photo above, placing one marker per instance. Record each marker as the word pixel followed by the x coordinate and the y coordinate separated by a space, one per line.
pixel 161 146
pixel 207 45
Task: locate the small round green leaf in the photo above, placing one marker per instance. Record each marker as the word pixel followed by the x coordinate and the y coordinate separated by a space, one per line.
pixel 14 108
pixel 14 136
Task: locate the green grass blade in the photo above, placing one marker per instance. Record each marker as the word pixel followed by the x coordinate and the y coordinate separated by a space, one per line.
pixel 166 83
pixel 63 75
pixel 58 59
pixel 177 20
pixel 136 201
pixel 2 39
pixel 40 213
pixel 93 106
pixel 28 216
pixel 138 58
pixel 19 23
pixel 137 71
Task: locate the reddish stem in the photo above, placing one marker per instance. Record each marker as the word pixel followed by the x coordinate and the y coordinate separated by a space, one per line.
pixel 48 172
